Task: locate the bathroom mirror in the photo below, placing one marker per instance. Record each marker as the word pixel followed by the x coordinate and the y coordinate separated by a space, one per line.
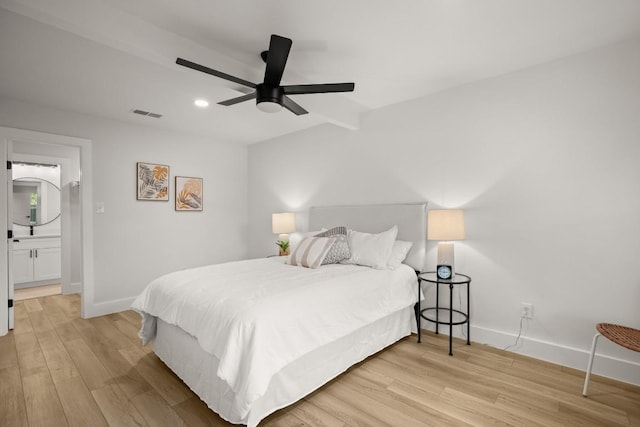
pixel 35 201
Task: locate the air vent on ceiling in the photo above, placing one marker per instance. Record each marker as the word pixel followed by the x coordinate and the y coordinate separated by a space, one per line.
pixel 146 113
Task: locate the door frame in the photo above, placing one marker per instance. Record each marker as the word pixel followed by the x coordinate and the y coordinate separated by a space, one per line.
pixel 86 219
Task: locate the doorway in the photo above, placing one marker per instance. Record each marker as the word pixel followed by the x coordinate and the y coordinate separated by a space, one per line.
pixel 36 211
pixel 74 157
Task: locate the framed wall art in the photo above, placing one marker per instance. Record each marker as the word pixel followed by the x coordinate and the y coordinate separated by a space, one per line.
pixel 153 182
pixel 188 193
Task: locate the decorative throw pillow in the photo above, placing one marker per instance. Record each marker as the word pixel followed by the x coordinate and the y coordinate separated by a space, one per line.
pixel 296 237
pixel 311 251
pixel 340 249
pixel 371 250
pixel 399 252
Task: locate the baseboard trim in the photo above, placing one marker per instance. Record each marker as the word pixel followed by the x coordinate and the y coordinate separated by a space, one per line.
pixel 108 307
pixel 36 284
pixel 611 367
pixel 74 288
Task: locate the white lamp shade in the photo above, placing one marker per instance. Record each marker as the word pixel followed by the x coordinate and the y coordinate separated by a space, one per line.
pixel 283 223
pixel 445 224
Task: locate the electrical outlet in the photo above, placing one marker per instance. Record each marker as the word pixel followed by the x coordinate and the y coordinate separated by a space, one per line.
pixel 527 310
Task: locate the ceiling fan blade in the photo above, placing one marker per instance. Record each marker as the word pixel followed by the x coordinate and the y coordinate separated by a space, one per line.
pixel 277 55
pixel 318 88
pixel 239 99
pixel 293 107
pixel 213 72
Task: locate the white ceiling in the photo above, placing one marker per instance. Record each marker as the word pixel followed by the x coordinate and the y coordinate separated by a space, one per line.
pixel 107 57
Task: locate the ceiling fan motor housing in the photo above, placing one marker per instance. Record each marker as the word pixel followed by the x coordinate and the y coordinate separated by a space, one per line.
pixel 267 93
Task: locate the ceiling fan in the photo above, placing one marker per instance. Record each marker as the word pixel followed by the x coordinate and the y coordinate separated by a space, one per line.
pixel 270 96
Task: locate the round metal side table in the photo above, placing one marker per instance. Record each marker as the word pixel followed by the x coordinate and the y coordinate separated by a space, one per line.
pixel 432 314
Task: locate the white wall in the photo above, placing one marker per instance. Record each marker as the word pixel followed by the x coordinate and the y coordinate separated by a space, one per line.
pixel 136 241
pixel 546 164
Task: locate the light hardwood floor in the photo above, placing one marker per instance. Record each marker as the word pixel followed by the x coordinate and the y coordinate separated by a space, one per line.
pixel 57 369
pixel 36 292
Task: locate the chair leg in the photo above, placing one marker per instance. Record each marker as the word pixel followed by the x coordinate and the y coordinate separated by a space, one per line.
pixel 593 352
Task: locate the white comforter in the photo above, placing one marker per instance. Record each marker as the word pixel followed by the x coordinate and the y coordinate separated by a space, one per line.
pixel 257 316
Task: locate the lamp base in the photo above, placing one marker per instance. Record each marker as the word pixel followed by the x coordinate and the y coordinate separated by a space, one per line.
pixel 446 257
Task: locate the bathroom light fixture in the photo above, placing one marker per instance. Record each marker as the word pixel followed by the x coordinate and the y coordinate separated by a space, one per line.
pixel 35 164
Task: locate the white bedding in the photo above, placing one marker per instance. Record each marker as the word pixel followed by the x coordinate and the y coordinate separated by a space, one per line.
pixel 258 316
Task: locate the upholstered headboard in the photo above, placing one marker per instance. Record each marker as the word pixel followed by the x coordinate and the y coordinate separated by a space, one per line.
pixel 411 219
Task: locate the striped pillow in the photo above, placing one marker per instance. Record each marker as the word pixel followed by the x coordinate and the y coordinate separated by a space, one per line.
pixel 340 249
pixel 311 251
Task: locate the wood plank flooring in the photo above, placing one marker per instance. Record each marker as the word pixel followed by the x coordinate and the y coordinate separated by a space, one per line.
pixel 57 369
pixel 36 292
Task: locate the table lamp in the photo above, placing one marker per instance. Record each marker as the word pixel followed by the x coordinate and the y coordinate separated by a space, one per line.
pixel 445 225
pixel 282 224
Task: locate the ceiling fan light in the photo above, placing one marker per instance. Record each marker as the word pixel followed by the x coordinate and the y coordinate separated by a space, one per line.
pixel 269 106
pixel 269 98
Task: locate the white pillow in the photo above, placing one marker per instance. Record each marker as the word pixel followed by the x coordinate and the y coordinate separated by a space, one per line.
pixel 311 251
pixel 398 253
pixel 371 250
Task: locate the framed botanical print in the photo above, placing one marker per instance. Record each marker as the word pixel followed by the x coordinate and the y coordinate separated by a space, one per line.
pixel 188 193
pixel 153 181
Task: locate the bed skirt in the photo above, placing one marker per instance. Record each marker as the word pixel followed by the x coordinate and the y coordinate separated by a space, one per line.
pixel 182 353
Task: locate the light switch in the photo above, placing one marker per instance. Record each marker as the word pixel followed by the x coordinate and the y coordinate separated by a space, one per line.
pixel 99 207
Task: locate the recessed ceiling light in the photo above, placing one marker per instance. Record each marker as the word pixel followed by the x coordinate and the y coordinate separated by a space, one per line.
pixel 202 103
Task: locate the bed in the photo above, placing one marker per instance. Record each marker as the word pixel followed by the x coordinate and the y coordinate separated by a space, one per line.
pixel 274 333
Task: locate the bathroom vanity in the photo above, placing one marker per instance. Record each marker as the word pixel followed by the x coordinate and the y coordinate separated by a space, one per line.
pixel 36 261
